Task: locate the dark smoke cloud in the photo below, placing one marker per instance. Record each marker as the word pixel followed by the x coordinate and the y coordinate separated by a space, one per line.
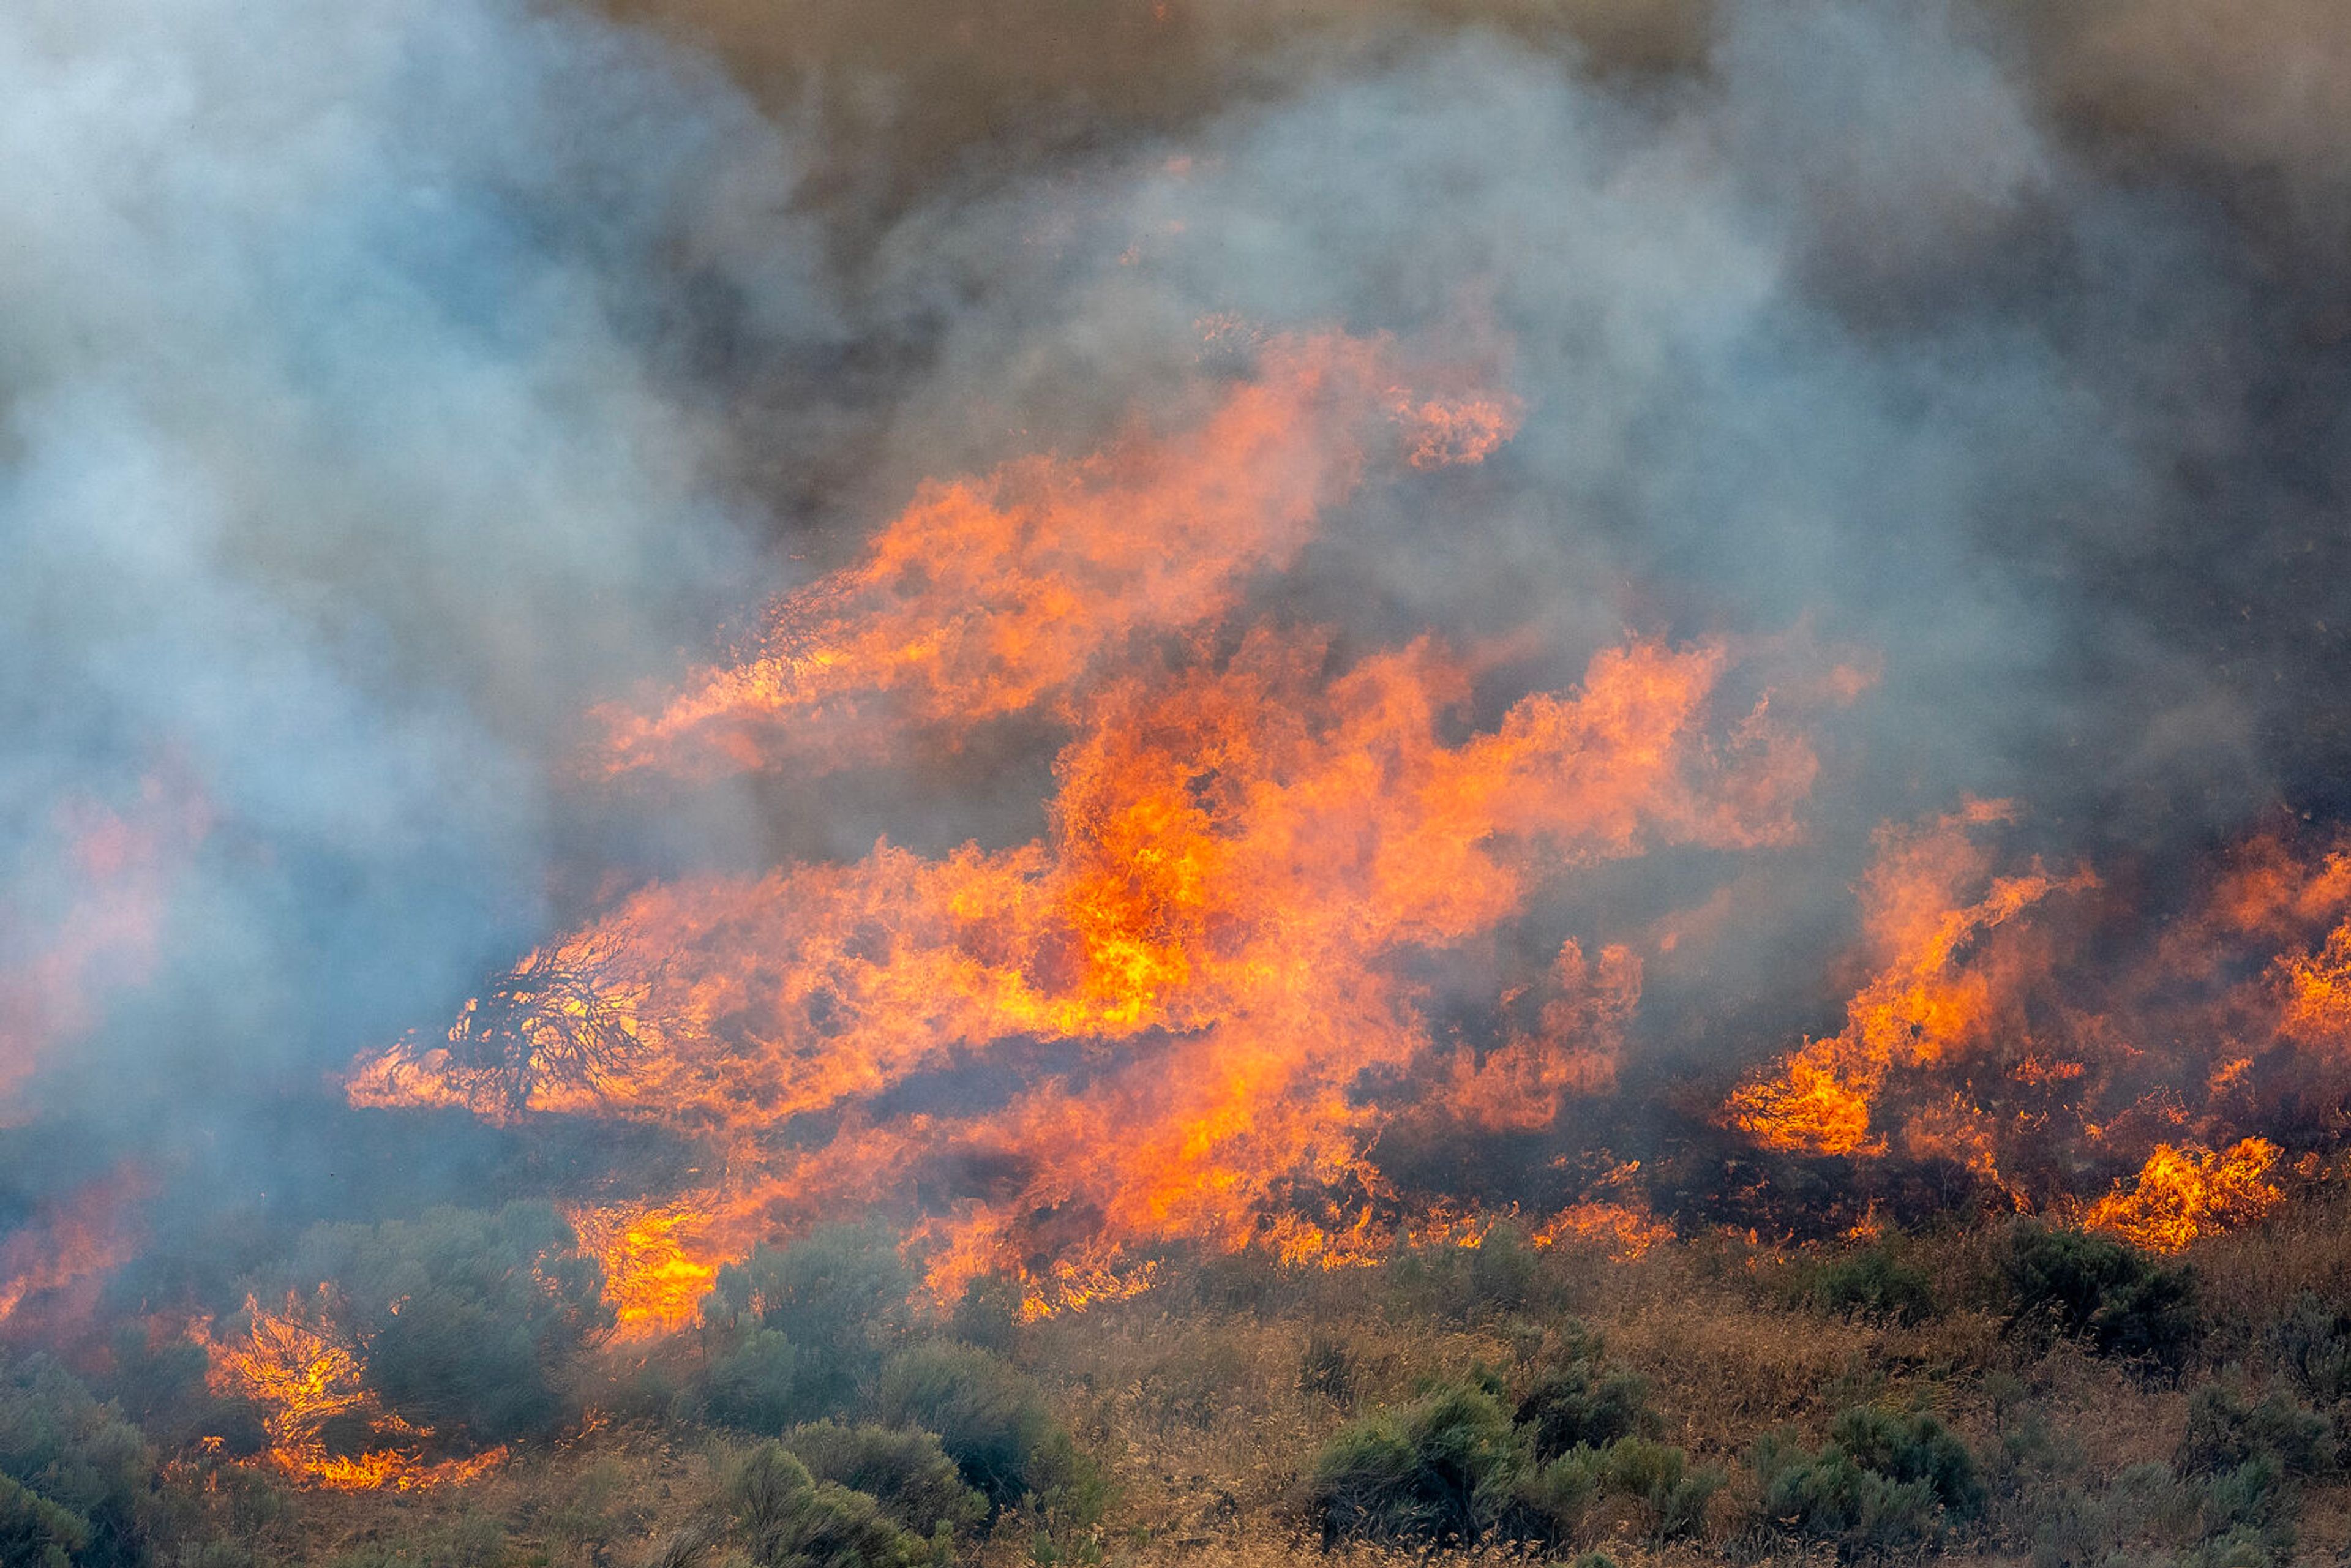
pixel 381 383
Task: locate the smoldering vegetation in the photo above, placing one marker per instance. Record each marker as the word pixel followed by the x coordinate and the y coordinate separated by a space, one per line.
pixel 390 393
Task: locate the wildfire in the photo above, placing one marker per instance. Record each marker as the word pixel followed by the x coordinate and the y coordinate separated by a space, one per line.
pixel 119 862
pixel 298 1371
pixel 72 1241
pixel 994 595
pixel 649 1275
pixel 1939 991
pixel 1184 998
pixel 2187 1191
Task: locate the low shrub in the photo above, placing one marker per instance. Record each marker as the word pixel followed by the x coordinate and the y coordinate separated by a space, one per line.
pixel 784 1517
pixel 1875 1281
pixel 1883 1482
pixel 1442 1471
pixel 2098 1290
pixel 839 1296
pixel 993 1422
pixel 472 1319
pixel 905 1470
pixel 1584 1404
pixel 750 1382
pixel 2225 1430
pixel 73 1474
pixel 1912 1447
pixel 2311 1343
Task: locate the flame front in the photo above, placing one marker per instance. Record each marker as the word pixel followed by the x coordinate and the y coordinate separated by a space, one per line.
pixel 1174 1014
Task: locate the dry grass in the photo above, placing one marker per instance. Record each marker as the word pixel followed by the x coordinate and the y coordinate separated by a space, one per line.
pixel 1194 1399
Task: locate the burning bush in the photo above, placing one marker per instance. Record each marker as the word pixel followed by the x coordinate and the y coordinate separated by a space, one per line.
pixel 466 1321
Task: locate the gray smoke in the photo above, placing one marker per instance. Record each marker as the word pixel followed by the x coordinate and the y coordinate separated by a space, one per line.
pixel 383 383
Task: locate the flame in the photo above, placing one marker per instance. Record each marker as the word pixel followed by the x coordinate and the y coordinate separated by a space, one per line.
pixel 1240 850
pixel 119 862
pixel 302 1374
pixel 991 596
pixel 72 1241
pixel 2190 1191
pixel 1180 1014
pixel 651 1275
pixel 1936 996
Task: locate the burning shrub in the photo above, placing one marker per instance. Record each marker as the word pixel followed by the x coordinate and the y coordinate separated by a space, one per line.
pixel 469 1319
pixel 839 1297
pixel 905 1470
pixel 1875 1281
pixel 787 1518
pixel 1439 1471
pixel 72 1473
pixel 1882 1482
pixel 2099 1290
pixel 993 1422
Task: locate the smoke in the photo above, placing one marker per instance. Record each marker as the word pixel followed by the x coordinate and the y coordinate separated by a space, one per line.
pixel 384 385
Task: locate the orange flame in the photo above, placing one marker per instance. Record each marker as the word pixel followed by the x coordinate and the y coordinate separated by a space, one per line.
pixel 297 1368
pixel 1935 995
pixel 991 596
pixel 2190 1191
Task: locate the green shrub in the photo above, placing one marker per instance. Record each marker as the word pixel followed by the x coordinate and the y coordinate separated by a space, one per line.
pixel 1442 1471
pixel 1502 1275
pixel 2098 1290
pixel 37 1533
pixel 1826 1496
pixel 786 1519
pixel 2313 1343
pixel 1552 1500
pixel 1883 1482
pixel 839 1296
pixel 2225 1431
pixel 750 1382
pixel 905 1470
pixel 993 1422
pixel 2249 1513
pixel 1913 1448
pixel 1657 1476
pixel 73 1474
pixel 471 1319
pixel 1582 1404
pixel 988 1314
pixel 1876 1282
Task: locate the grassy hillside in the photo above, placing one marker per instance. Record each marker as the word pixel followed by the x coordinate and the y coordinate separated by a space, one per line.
pixel 1995 1394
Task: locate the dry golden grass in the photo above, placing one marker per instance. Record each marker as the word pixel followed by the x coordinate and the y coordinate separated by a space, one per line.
pixel 1193 1398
